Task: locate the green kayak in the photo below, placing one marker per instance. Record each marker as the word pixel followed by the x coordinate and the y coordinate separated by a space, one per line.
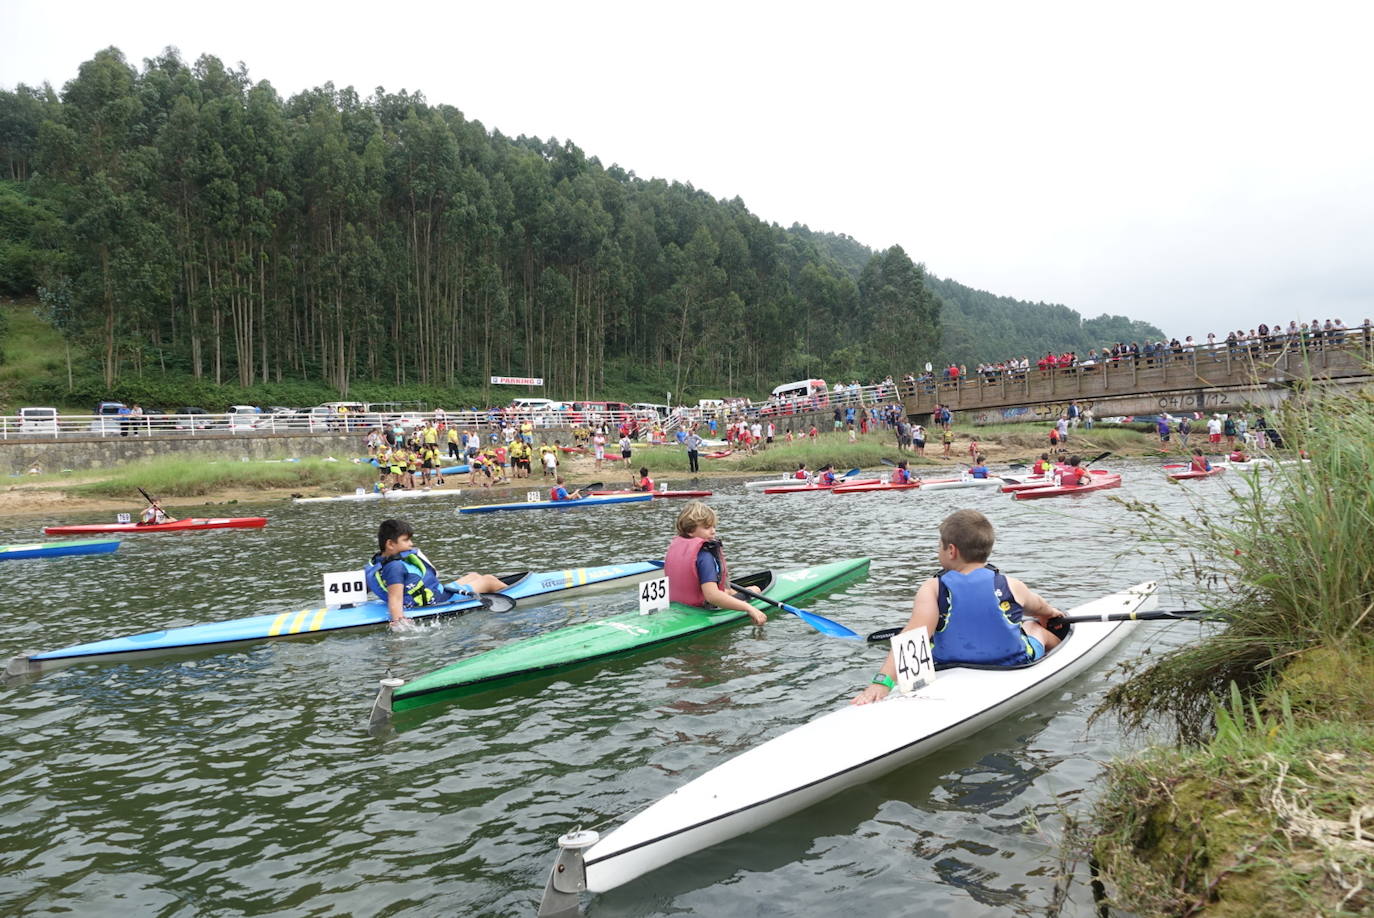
pixel 611 637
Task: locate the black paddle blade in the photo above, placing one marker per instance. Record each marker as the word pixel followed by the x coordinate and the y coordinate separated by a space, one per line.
pixel 886 461
pixel 886 634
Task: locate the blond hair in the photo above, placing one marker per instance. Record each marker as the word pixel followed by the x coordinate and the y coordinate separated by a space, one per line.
pixel 970 532
pixel 694 515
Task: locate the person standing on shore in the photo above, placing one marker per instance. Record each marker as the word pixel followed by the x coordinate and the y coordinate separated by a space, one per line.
pixel 693 444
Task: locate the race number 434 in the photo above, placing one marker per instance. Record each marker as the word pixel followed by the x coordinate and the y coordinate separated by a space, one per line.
pixel 911 654
pixel 343 588
pixel 653 595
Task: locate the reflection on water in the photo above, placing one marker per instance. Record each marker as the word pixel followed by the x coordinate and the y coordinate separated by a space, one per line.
pixel 245 782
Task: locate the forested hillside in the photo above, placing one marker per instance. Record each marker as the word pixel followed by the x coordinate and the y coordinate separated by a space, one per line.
pixel 185 219
pixel 978 326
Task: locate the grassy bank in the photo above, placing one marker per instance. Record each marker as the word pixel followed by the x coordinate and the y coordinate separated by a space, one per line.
pixel 197 476
pixel 1258 808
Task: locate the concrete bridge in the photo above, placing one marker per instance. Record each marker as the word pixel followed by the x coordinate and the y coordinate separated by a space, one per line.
pixel 1254 375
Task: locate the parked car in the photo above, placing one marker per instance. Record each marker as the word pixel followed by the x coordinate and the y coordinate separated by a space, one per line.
pixel 107 418
pixel 191 418
pixel 244 417
pixel 38 421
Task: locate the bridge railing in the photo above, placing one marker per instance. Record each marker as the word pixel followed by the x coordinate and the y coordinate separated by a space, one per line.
pixel 1223 362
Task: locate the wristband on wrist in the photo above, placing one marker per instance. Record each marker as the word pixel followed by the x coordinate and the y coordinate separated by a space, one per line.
pixel 885 680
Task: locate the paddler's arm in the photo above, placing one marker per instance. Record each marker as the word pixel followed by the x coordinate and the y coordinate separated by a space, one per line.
pixel 1032 603
pixel 925 611
pixel 396 603
pixel 717 597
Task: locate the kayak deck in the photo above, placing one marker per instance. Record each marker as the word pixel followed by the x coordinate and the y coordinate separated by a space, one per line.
pixel 584 643
pixel 319 620
pixel 559 504
pixel 58 549
pixel 847 747
pixel 186 525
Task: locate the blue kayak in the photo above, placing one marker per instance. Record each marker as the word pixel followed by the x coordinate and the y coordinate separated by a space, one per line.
pixel 558 504
pixel 58 549
pixel 542 586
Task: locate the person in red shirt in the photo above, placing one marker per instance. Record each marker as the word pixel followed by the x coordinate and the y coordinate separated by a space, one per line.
pixel 1199 462
pixel 645 482
pixel 1072 475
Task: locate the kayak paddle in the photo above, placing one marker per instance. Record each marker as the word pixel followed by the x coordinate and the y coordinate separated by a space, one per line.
pixel 851 473
pixel 877 637
pixel 819 622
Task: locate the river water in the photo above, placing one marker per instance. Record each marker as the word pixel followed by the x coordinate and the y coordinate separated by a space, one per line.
pixel 246 781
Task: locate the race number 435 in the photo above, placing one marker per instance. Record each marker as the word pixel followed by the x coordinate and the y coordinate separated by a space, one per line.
pixel 343 588
pixel 653 595
pixel 911 654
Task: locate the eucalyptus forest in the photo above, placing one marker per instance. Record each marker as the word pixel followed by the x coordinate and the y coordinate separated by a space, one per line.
pixel 185 219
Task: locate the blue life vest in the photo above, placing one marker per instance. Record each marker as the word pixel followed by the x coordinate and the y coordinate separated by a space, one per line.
pixel 980 620
pixel 422 584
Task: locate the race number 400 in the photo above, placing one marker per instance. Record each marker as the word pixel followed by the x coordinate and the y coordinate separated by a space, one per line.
pixel 911 654
pixel 653 595
pixel 344 588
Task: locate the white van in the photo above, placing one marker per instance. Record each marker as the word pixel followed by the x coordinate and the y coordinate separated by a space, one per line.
pixel 535 405
pixel 644 408
pixel 804 388
pixel 38 421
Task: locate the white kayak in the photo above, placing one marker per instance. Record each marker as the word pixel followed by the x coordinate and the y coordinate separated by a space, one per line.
pixel 844 748
pixel 396 494
pixel 775 483
pixel 943 484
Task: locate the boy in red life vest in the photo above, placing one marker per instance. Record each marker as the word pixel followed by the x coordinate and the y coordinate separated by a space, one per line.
pixel 1071 475
pixel 1042 466
pixel 1200 463
pixel 801 474
pixel 695 565
pixel 827 477
pixel 973 612
pixel 559 492
pixel 645 482
pixel 1238 456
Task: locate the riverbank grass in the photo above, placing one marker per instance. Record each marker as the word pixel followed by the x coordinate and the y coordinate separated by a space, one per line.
pixel 1266 806
pixel 198 475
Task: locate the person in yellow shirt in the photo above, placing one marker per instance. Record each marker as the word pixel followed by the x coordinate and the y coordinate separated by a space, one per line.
pixel 453 448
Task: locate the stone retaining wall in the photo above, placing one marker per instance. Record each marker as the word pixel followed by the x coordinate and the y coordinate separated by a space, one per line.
pixel 80 454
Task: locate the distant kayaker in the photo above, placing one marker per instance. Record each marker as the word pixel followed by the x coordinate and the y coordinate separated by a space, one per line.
pixel 560 492
pixel 154 514
pixel 801 474
pixel 1042 466
pixel 695 565
pixel 405 578
pixel 973 612
pixel 901 475
pixel 1199 461
pixel 827 477
pixel 645 482
pixel 980 468
pixel 1238 455
pixel 1070 474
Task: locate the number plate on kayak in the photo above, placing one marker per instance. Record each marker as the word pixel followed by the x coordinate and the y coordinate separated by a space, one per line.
pixel 344 588
pixel 912 657
pixel 653 595
pixel 123 518
pixel 531 497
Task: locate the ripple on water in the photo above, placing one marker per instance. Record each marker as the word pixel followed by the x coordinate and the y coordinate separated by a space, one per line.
pixel 245 782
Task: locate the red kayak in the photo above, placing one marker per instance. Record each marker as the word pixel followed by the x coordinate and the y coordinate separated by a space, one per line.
pixel 239 522
pixel 655 493
pixel 1185 473
pixel 718 454
pixel 860 487
pixel 1025 484
pixel 1101 481
pixel 802 489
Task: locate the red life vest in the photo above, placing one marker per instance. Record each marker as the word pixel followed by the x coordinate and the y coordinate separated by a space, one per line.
pixel 1200 464
pixel 1072 476
pixel 680 566
pixel 801 475
pixel 646 483
pixel 553 493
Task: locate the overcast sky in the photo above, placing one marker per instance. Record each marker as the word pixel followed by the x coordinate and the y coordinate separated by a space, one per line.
pixel 1203 166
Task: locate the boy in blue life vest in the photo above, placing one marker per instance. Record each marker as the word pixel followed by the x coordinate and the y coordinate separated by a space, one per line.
pixel 979 468
pixel 695 565
pixel 405 578
pixel 973 612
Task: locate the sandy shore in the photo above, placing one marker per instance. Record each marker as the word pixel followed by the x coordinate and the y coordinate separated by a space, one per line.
pixel 51 500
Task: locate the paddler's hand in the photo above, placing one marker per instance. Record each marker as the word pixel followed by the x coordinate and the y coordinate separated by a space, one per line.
pixel 758 617
pixel 871 694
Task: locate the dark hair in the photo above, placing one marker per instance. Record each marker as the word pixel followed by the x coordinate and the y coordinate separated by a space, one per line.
pixel 1074 460
pixel 643 471
pixel 392 529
